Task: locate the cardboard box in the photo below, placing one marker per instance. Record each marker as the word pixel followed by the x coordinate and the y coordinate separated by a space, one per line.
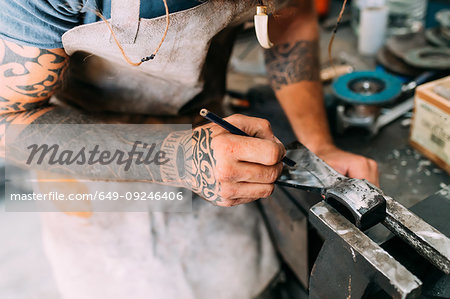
pixel 430 128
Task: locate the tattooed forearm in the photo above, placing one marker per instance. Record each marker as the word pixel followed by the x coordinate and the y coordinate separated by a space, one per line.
pixel 194 150
pixel 145 153
pixel 188 156
pixel 28 76
pixel 202 164
pixel 292 62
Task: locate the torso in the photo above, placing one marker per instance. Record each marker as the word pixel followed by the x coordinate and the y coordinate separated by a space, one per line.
pixel 161 86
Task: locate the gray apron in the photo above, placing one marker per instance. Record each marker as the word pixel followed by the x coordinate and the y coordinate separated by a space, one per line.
pixel 212 252
pixel 188 68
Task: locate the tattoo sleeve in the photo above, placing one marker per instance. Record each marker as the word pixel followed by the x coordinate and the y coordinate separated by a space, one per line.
pixel 293 62
pixel 198 170
pixel 202 174
pixel 30 76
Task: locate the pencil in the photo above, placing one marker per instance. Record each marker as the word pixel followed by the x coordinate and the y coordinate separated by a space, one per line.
pixel 233 130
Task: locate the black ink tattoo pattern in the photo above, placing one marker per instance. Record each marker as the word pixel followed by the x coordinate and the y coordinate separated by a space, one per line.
pixel 178 147
pixel 194 164
pixel 292 62
pixel 203 163
pixel 28 76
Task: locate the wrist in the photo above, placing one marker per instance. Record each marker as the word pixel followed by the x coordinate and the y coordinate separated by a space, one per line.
pixel 178 148
pixel 312 131
pixel 320 147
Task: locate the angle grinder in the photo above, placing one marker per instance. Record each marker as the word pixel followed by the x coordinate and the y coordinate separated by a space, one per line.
pixel 363 94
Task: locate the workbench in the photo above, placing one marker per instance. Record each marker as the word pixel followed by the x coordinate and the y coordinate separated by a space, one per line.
pixel 405 174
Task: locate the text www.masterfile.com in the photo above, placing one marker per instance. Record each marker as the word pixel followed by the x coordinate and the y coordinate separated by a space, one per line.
pixel 98 196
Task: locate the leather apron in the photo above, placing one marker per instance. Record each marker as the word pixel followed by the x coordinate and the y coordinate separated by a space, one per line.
pixel 212 252
pixel 187 71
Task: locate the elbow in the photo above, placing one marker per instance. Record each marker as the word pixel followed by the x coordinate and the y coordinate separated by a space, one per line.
pixel 293 23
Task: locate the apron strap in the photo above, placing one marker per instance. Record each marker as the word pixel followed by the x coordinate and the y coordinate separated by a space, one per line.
pixel 125 20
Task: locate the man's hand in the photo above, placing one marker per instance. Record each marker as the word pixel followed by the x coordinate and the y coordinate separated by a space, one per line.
pixel 229 170
pixel 349 164
pixel 293 69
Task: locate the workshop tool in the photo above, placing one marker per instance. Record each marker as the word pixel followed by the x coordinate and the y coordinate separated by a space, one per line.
pixel 332 258
pixel 351 264
pixel 367 88
pixel 233 130
pixel 312 174
pixel 329 73
pixel 364 205
pixel 363 94
pixel 354 266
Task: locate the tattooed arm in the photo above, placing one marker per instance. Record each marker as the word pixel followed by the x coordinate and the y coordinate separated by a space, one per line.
pixel 223 168
pixel 233 169
pixel 293 69
pixel 28 78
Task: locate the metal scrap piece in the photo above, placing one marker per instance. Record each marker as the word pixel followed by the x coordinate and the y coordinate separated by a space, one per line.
pixel 358 200
pixel 310 173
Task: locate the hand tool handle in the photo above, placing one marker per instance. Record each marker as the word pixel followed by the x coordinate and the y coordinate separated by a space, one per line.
pixel 410 86
pixel 233 130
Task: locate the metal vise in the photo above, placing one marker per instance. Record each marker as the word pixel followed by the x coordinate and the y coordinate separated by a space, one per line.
pixel 360 201
pixel 349 262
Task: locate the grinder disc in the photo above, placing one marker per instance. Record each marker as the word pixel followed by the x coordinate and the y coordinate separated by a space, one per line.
pixel 367 88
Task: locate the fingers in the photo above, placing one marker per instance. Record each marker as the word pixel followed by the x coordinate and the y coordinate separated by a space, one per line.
pixel 351 165
pixel 241 172
pixel 245 168
pixel 255 173
pixel 232 194
pixel 248 149
pixel 374 176
pixel 253 126
pixel 265 149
